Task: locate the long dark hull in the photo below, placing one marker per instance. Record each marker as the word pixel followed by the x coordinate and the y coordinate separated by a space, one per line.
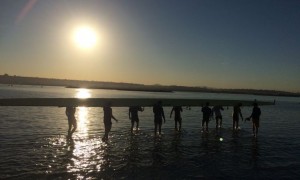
pixel 121 102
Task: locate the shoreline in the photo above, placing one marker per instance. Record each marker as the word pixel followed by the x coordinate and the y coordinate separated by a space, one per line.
pixel 124 89
pixel 36 81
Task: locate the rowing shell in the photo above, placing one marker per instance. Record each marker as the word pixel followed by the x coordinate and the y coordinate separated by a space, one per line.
pixel 122 102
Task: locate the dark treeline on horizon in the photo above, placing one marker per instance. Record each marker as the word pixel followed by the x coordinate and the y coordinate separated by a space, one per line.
pixel 19 80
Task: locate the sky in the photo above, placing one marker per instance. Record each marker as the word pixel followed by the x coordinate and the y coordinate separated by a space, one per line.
pixel 245 44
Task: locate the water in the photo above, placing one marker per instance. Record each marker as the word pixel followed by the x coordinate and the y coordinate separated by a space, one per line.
pixel 33 142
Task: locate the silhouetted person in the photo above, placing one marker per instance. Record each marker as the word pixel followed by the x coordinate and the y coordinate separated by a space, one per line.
pixel 206 115
pixel 158 116
pixel 177 118
pixel 235 116
pixel 255 118
pixel 70 112
pixel 133 116
pixel 107 121
pixel 216 110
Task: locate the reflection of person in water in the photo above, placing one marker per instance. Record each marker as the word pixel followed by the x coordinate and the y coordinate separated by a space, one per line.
pixel 70 112
pixel 134 117
pixel 177 118
pixel 107 121
pixel 235 116
pixel 255 118
pixel 218 116
pixel 158 116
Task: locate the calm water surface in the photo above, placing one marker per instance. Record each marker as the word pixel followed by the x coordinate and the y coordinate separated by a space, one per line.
pixel 33 142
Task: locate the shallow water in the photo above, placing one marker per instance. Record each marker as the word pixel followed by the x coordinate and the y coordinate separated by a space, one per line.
pixel 34 144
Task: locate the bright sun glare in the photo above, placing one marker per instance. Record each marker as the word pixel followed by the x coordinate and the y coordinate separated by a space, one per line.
pixel 83 93
pixel 85 37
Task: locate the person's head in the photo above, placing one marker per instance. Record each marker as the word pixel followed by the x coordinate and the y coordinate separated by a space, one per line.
pixel 159 103
pixel 107 104
pixel 240 104
pixel 255 104
pixel 207 103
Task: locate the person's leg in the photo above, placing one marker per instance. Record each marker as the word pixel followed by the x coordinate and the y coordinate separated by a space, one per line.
pixel 105 136
pixel 74 126
pixel 175 124
pixel 70 125
pixel 132 124
pixel 159 128
pixel 107 130
pixel 137 125
pixel 217 122
pixel 256 131
pixel 206 123
pixel 253 128
pixel 256 125
pixel 233 124
pixel 179 124
pixel 155 128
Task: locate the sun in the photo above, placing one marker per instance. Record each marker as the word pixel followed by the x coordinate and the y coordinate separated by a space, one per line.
pixel 85 37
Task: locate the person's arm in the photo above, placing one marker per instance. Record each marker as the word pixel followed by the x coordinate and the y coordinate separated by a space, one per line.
pixel 171 113
pixel 241 114
pixel 163 115
pixel 129 114
pixel 114 118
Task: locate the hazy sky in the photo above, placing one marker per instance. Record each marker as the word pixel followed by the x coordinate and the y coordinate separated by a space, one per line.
pixel 222 44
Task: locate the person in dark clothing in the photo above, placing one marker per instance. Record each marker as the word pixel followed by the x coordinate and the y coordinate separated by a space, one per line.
pixel 206 116
pixel 133 116
pixel 235 116
pixel 177 118
pixel 70 112
pixel 218 116
pixel 158 116
pixel 255 118
pixel 107 121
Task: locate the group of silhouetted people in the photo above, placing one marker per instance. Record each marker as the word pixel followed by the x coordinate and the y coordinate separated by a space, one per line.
pixel 236 114
pixel 159 117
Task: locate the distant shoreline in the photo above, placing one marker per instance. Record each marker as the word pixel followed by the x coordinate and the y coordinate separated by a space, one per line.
pixel 124 89
pixel 19 80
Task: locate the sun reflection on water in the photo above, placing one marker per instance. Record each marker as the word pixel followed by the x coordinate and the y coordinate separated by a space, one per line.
pixel 88 153
pixel 83 93
pixel 82 121
pixel 82 113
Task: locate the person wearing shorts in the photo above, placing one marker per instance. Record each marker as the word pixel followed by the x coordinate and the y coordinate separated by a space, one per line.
pixel 134 117
pixel 70 112
pixel 206 116
pixel 235 116
pixel 177 110
pixel 255 115
pixel 107 121
pixel 158 116
pixel 218 116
